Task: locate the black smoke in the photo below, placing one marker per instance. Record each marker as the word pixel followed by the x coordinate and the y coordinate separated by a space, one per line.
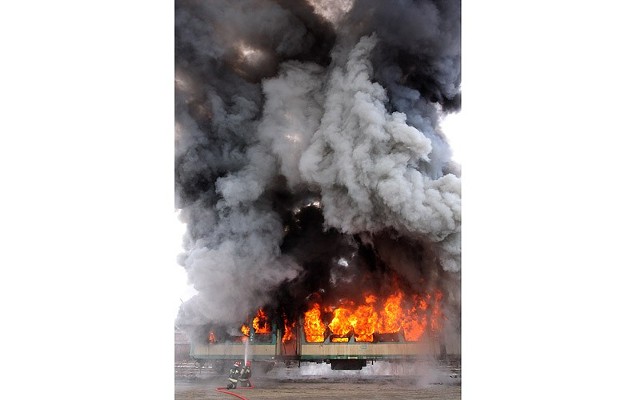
pixel 308 159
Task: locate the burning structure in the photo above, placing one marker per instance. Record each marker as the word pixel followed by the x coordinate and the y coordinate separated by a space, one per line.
pixel 322 205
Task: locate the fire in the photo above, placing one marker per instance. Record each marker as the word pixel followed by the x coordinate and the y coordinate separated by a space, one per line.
pixel 410 315
pixel 364 320
pixel 212 336
pixel 288 330
pixel 391 315
pixel 313 327
pixel 415 321
pixel 260 322
pixel 340 325
pixel 414 315
pixel 244 329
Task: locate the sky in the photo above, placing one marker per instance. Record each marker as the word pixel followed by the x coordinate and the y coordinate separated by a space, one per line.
pixel 550 198
pixel 453 127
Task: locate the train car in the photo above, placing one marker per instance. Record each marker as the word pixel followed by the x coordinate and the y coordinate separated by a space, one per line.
pixel 391 347
pixel 399 327
pixel 259 346
pixel 343 353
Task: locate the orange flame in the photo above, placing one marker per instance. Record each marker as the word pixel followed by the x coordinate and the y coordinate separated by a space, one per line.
pixel 313 326
pixel 288 330
pixel 260 322
pixel 340 325
pixel 391 315
pixel 212 336
pixel 244 329
pixel 414 314
pixel 415 320
pixel 364 320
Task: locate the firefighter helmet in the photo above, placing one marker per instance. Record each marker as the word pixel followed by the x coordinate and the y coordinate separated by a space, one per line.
pixel 237 364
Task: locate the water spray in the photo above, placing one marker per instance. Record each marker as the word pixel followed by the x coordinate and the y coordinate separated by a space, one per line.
pixel 246 349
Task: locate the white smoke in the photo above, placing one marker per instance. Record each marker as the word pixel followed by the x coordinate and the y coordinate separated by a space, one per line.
pixel 293 110
pixel 291 114
pixel 222 267
pixel 413 373
pixel 369 164
pixel 277 101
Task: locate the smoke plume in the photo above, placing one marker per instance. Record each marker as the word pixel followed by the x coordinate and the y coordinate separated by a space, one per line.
pixel 309 158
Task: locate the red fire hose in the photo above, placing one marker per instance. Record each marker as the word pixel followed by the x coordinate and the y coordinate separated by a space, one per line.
pixel 223 390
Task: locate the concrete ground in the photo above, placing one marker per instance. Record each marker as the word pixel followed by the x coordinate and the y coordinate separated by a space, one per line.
pixel 317 381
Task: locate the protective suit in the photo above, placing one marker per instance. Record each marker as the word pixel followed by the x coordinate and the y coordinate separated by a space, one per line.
pixel 234 374
pixel 245 374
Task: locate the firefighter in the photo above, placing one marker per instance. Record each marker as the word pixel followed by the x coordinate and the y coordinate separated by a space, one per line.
pixel 234 373
pixel 245 374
